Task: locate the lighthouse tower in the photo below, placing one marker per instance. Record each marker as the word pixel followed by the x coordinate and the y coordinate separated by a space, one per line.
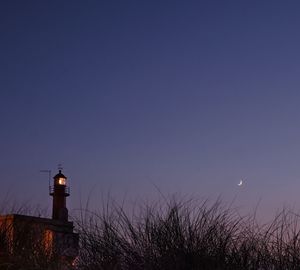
pixel 59 191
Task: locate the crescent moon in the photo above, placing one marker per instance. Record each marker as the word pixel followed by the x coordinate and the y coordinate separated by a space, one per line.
pixel 240 183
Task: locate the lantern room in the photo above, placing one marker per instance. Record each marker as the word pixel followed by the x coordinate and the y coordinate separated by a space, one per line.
pixel 60 179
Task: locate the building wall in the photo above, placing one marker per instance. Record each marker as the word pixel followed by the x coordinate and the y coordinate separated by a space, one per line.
pixel 37 237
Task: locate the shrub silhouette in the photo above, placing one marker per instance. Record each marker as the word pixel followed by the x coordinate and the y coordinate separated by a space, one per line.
pixel 181 236
pixel 177 235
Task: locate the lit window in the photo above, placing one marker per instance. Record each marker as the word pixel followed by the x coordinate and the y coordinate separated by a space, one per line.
pixel 62 181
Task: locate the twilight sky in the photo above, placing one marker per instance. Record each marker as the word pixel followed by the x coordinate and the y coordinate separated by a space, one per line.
pixel 186 96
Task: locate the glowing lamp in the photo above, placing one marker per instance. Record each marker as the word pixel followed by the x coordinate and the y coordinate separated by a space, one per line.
pixel 62 181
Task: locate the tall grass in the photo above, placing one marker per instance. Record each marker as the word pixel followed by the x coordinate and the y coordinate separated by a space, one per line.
pixel 175 234
pixel 183 235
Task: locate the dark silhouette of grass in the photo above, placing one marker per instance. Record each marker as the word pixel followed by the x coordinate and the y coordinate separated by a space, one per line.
pixel 175 235
pixel 180 235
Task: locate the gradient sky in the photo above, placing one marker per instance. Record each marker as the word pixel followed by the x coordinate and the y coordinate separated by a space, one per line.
pixel 186 97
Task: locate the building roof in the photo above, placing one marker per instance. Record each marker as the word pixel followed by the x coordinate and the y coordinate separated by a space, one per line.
pixel 56 225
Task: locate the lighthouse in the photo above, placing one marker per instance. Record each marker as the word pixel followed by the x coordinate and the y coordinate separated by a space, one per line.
pixel 59 191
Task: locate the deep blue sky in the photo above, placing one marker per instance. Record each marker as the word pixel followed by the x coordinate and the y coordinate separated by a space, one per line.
pixel 188 96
